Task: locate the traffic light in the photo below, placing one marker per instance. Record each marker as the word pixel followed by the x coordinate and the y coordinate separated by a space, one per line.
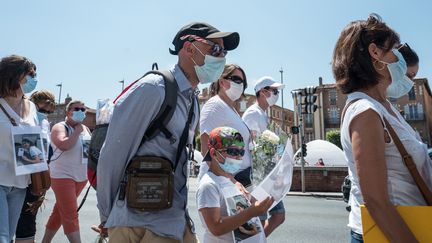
pixel 308 99
pixel 295 130
pixel 304 150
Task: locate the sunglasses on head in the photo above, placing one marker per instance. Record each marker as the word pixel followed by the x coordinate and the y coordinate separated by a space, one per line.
pixel 79 109
pixel 234 151
pixel 235 79
pixel 275 91
pixel 217 49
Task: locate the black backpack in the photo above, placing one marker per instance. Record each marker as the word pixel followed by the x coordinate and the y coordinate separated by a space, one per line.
pixel 155 127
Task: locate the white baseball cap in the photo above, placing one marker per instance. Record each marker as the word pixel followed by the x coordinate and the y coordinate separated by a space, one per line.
pixel 267 81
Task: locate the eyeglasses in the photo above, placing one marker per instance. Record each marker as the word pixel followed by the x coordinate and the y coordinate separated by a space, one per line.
pixel 217 49
pixel 79 109
pixel 234 151
pixel 275 91
pixel 41 110
pixel 235 79
pixel 404 45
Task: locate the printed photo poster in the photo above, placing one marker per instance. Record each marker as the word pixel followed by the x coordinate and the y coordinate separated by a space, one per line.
pixel 85 145
pixel 252 230
pixel 29 150
pixel 278 182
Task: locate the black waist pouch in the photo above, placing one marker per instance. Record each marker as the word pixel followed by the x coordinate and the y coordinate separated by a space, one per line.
pixel 150 183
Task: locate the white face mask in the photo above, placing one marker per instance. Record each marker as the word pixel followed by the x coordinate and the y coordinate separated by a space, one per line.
pixel 211 70
pixel 235 91
pixel 272 99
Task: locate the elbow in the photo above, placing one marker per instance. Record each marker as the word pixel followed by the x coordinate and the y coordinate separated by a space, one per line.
pixel 216 232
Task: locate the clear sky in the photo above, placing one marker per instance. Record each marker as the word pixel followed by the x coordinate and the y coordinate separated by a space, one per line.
pixel 89 45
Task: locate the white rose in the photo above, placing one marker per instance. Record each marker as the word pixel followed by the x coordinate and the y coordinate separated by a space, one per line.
pixel 270 136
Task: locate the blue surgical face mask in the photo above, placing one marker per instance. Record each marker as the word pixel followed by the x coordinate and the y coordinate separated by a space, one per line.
pixel 78 116
pixel 41 116
pixel 231 165
pixel 400 84
pixel 211 70
pixel 29 85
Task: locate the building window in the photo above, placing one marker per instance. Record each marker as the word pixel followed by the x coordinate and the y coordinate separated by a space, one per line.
pixel 273 113
pixel 414 112
pixel 243 105
pixel 333 97
pixel 333 115
pixel 411 94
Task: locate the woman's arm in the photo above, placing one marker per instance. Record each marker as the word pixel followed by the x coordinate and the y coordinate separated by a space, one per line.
pixel 218 225
pixel 367 136
pixel 35 160
pixel 61 138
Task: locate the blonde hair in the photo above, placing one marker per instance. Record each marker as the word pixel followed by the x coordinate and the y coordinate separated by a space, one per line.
pixel 43 97
pixel 68 106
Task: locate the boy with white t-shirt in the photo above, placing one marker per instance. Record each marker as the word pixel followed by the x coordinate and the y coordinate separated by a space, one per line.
pixel 217 196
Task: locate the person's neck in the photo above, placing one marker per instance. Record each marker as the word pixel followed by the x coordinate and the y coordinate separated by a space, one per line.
pixel 216 169
pixel 225 98
pixel 14 101
pixel 70 122
pixel 262 103
pixel 377 92
pixel 189 71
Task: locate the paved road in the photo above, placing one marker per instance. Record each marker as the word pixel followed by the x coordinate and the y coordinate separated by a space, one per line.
pixel 308 219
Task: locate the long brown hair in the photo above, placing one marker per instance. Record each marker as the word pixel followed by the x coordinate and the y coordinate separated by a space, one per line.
pixel 352 64
pixel 12 70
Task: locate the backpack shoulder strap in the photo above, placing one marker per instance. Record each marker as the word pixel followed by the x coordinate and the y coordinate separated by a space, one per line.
pixel 166 110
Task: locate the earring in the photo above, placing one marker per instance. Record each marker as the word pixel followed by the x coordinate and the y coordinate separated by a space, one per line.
pixel 375 66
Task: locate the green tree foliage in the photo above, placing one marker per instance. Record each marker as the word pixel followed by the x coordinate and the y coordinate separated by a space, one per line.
pixel 333 137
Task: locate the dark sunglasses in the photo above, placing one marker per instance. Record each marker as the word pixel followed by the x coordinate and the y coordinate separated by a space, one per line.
pixel 41 110
pixel 235 79
pixel 234 151
pixel 217 49
pixel 275 91
pixel 79 109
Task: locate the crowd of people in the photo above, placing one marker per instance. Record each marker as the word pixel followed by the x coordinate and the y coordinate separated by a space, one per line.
pixel 136 170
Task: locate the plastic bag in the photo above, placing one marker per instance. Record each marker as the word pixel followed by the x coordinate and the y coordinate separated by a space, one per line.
pixel 104 111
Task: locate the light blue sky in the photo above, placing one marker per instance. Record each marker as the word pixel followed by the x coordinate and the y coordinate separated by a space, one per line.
pixel 89 45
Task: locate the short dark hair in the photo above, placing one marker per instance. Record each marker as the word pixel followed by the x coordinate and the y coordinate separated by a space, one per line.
pixel 26 140
pixel 409 55
pixel 12 70
pixel 228 70
pixel 352 66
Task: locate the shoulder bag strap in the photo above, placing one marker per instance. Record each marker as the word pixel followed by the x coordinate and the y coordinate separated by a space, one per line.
pixel 346 108
pixel 409 162
pixel 7 114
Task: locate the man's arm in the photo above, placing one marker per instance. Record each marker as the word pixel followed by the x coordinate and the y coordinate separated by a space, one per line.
pixel 130 120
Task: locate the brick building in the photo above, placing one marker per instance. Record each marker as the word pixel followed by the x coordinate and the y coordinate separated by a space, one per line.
pixel 416 107
pixel 274 112
pixel 59 114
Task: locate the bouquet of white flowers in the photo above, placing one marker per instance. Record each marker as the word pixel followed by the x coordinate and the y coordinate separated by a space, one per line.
pixel 267 151
pixel 264 155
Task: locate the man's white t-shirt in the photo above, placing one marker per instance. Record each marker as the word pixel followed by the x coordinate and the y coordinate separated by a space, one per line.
pixel 256 118
pixel 209 195
pixel 216 113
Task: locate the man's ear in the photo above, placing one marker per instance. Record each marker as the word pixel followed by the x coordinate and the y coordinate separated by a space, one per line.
pixel 188 48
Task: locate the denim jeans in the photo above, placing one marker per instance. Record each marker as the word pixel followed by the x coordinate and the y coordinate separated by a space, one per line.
pixel 11 202
pixel 356 238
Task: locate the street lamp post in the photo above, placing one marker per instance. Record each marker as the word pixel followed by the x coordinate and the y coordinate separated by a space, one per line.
pixel 60 85
pixel 283 114
pixel 122 82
